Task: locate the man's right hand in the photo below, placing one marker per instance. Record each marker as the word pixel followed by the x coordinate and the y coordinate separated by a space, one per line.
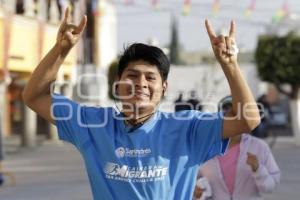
pixel 36 94
pixel 68 33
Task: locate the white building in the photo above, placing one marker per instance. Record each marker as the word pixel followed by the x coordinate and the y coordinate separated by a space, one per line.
pixel 106 28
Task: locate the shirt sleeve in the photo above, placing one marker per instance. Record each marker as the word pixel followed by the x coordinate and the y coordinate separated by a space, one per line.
pixel 206 136
pixel 67 114
pixel 267 176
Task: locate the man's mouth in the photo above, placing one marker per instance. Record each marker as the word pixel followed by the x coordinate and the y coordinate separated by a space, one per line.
pixel 141 94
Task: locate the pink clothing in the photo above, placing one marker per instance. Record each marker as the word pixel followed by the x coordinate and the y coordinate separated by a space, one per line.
pixel 248 185
pixel 228 164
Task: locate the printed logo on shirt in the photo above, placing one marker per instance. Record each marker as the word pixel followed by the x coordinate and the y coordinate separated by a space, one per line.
pixel 135 174
pixel 122 152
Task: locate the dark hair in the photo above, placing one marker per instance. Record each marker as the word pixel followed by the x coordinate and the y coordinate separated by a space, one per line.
pixel 151 54
pixel 225 103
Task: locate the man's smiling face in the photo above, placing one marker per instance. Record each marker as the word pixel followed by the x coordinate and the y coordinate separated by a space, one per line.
pixel 141 87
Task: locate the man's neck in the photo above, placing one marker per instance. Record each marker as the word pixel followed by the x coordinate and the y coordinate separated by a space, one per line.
pixel 134 120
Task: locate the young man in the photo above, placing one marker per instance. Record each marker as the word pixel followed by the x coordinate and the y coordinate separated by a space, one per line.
pixel 140 152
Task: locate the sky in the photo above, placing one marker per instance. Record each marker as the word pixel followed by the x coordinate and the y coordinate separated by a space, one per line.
pixel 139 22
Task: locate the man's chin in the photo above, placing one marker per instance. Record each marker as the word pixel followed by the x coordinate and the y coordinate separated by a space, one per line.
pixel 142 105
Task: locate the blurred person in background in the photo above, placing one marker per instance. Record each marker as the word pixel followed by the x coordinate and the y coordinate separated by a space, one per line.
pixel 246 171
pixel 266 115
pixel 139 152
pixel 4 173
pixel 193 101
pixel 180 104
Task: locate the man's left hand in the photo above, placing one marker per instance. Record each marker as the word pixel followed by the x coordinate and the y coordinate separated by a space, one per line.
pixel 224 47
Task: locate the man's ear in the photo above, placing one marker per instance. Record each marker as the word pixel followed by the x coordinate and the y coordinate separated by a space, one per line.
pixel 165 86
pixel 116 86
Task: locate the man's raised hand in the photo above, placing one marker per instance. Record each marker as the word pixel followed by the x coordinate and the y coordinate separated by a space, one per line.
pixel 224 47
pixel 68 33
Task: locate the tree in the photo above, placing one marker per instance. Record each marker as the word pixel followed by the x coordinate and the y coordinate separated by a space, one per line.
pixel 174 44
pixel 278 62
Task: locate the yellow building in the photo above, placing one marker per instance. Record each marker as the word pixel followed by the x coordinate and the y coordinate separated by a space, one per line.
pixel 24 40
pixel 27 33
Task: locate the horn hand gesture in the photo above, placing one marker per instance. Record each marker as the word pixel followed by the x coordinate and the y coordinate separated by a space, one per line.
pixel 224 47
pixel 68 33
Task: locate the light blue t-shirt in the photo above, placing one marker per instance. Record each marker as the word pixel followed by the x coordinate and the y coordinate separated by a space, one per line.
pixel 158 160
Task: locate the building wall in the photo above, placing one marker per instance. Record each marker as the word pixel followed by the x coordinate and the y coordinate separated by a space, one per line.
pixel 25 38
pixel 107 34
pixel 208 81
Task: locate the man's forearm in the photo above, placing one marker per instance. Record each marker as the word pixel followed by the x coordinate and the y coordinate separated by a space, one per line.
pixel 244 105
pixel 44 74
pixel 243 102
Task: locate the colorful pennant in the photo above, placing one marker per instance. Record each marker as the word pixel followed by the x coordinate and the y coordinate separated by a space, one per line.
pixel 251 7
pixel 186 7
pixel 216 7
pixel 282 12
pixel 155 4
pixel 128 2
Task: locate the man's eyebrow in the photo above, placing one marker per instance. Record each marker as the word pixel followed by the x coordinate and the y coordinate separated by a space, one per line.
pixel 137 71
pixel 132 70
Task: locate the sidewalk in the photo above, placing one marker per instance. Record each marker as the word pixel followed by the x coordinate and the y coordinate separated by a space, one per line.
pixel 56 172
pixel 287 156
pixel 48 172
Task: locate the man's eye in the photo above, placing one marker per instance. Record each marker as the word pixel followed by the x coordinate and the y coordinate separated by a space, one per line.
pixel 132 75
pixel 151 78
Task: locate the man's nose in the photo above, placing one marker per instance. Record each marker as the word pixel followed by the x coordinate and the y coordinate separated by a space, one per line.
pixel 141 81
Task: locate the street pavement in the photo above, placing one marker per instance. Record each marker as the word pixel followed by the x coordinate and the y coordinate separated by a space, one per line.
pixel 54 171
pixel 287 156
pixel 48 172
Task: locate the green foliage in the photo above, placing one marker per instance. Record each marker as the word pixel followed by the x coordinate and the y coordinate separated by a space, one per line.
pixel 112 75
pixel 278 59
